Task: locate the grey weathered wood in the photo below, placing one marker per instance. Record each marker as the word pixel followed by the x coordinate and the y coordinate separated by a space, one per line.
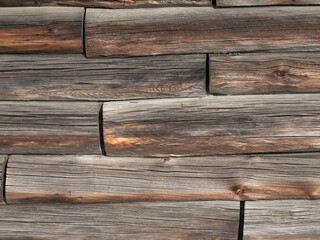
pixel 243 3
pixel 135 32
pixel 46 29
pixel 282 220
pixel 94 179
pixel 213 125
pixel 259 73
pixel 3 160
pixel 107 3
pixel 49 127
pixel 73 77
pixel 175 220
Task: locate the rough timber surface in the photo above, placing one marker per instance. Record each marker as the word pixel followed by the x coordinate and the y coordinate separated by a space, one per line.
pixel 282 220
pixel 38 30
pixel 107 3
pixel 261 73
pixel 213 125
pixel 176 220
pixel 200 30
pixel 97 179
pixel 3 159
pixel 49 127
pixel 244 3
pixel 73 77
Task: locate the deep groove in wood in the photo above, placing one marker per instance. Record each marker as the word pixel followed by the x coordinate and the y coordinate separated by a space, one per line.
pixel 4 178
pixel 207 74
pixel 84 33
pixel 100 122
pixel 241 220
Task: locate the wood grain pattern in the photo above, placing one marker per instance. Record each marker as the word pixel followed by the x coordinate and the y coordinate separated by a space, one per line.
pixel 260 73
pixel 177 220
pixel 107 3
pixel 135 32
pixel 3 160
pixel 97 179
pixel 282 220
pixel 46 29
pixel 243 3
pixel 213 125
pixel 49 127
pixel 73 77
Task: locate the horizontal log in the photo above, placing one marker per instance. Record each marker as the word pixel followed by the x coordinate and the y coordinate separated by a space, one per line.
pixel 259 73
pixel 73 77
pixel 37 30
pixel 212 125
pixel 200 30
pixel 107 3
pixel 244 3
pixel 281 220
pixel 49 127
pixel 3 160
pixel 97 179
pixel 176 220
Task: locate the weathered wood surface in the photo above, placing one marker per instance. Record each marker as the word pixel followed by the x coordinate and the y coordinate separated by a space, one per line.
pixel 96 179
pixel 282 220
pixel 134 32
pixel 213 125
pixel 73 77
pixel 3 160
pixel 107 3
pixel 243 3
pixel 49 127
pixel 175 220
pixel 259 73
pixel 46 29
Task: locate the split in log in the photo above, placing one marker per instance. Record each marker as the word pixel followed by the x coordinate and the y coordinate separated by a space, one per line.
pixel 3 160
pixel 247 3
pixel 73 77
pixel 107 3
pixel 38 30
pixel 260 73
pixel 134 32
pixel 143 221
pixel 275 220
pixel 213 125
pixel 49 127
pixel 97 179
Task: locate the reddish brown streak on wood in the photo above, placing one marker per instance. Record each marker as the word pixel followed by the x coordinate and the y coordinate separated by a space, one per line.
pixel 263 73
pixel 196 30
pixel 37 30
pixel 238 3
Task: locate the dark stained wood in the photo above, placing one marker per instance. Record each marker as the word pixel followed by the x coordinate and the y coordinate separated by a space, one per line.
pixel 282 220
pixel 49 127
pixel 260 73
pixel 143 221
pixel 107 3
pixel 73 77
pixel 96 179
pixel 213 125
pixel 45 29
pixel 135 32
pixel 3 160
pixel 242 3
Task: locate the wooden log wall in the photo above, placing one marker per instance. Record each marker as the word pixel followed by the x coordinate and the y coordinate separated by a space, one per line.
pixel 150 87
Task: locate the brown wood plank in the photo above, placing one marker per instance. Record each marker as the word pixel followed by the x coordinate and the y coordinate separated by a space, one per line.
pixel 107 3
pixel 175 220
pixel 135 32
pixel 282 220
pixel 243 3
pixel 213 125
pixel 97 179
pixel 260 73
pixel 73 77
pixel 3 159
pixel 45 29
pixel 49 127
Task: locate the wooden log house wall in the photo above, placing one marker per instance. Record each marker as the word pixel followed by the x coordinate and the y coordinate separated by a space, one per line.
pixel 164 119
